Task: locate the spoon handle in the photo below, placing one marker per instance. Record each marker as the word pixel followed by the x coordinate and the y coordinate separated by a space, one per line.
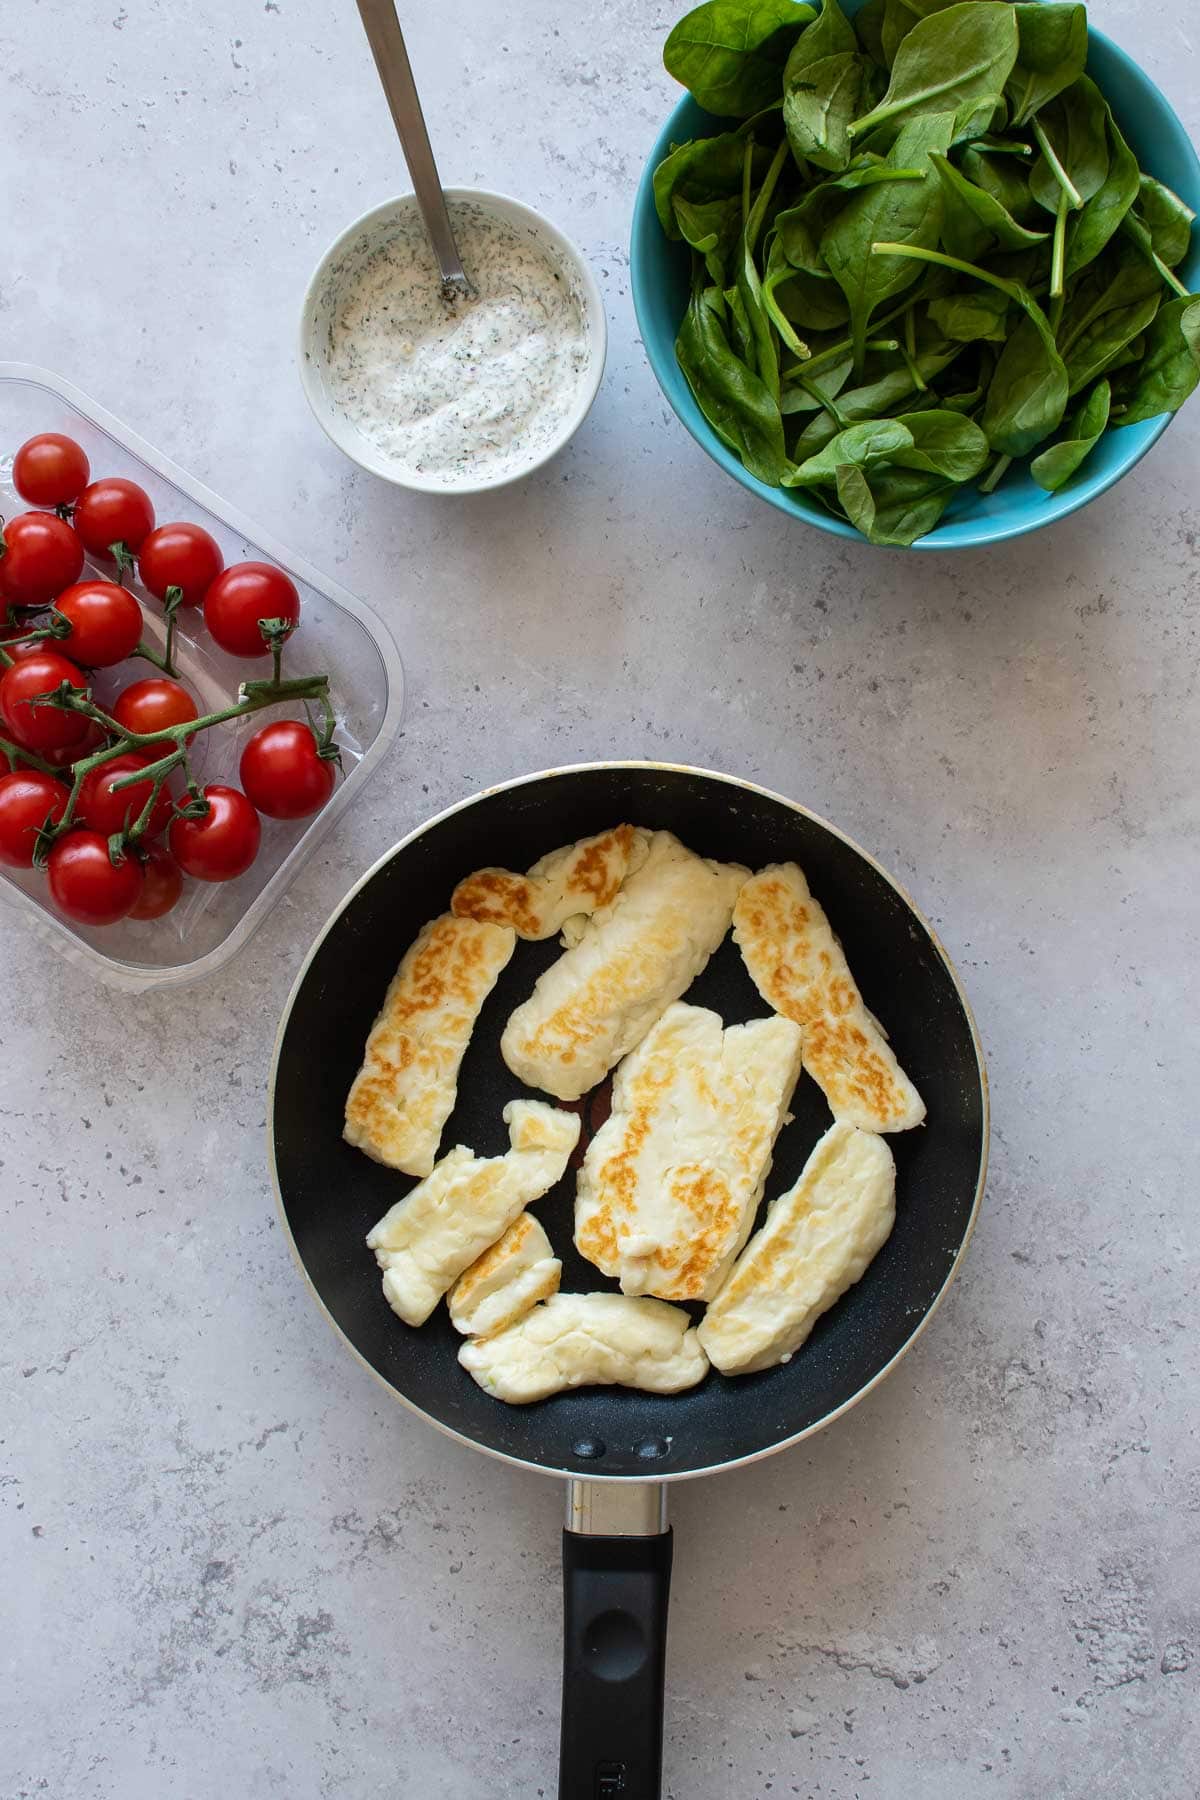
pixel 395 72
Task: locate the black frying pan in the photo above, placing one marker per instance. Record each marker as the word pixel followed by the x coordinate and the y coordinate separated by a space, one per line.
pixel 617 1446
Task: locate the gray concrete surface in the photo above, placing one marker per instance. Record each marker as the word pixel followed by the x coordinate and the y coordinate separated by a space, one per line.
pixel 232 1569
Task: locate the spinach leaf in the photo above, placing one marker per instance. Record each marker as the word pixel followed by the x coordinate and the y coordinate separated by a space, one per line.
pixel 876 398
pixel 955 60
pixel 823 89
pixel 971 315
pixel 908 503
pixel 1170 370
pixel 1056 465
pixel 814 302
pixel 825 384
pixel 900 16
pixel 1028 393
pixel 1072 131
pixel 1102 214
pixel 730 53
pixel 1111 303
pixel 1167 218
pixel 741 332
pixel 1005 179
pixel 749 286
pixel 700 171
pixel 907 212
pixel 1051 55
pixel 731 396
pixel 868 26
pixel 710 227
pixel 943 443
pixel 801 227
pixel 975 218
pixel 874 441
pixel 855 497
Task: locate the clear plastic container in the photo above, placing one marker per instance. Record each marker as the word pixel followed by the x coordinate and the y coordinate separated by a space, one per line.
pixel 339 636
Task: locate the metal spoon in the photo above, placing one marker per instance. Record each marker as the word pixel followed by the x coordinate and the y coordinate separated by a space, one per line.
pixel 395 72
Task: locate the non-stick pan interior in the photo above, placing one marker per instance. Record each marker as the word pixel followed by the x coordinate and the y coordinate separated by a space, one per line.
pixel 332 1194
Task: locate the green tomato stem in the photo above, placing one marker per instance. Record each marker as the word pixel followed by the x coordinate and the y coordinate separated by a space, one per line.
pixel 17 753
pixel 171 739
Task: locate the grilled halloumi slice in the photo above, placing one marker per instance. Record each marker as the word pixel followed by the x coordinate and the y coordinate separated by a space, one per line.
pixel 406 1088
pixel 799 968
pixel 592 1006
pixel 426 1240
pixel 501 1285
pixel 671 1181
pixel 817 1242
pixel 568 884
pixel 578 1340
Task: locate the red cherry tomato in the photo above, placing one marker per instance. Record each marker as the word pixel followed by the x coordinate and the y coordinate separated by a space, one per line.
pixel 105 811
pixel 106 623
pixel 223 843
pixel 50 470
pixel 283 774
pixel 162 884
pixel 42 556
pixel 183 556
pixel 153 705
pixel 28 800
pixel 113 511
pixel 86 884
pixel 41 727
pixel 243 595
pixel 94 738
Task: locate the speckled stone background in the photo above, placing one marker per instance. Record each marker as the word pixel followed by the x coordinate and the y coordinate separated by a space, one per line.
pixel 232 1569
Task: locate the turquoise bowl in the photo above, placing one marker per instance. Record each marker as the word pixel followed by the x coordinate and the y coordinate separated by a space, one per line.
pixel 661 271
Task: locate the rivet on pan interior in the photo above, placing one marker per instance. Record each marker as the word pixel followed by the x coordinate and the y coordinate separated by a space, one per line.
pixel 652 1448
pixel 590 1447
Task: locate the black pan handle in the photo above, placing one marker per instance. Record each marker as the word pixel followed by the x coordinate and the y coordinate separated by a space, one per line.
pixel 616 1585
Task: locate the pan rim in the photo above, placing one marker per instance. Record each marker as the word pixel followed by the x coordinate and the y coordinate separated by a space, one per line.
pixel 736 781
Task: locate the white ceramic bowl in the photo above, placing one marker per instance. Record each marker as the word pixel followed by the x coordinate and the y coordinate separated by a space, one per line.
pixel 366 235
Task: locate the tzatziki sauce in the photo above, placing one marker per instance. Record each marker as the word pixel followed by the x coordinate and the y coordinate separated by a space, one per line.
pixel 464 391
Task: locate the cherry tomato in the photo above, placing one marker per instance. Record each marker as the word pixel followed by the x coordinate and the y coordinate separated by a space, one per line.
pixel 28 800
pixel 283 774
pixel 86 884
pixel 183 556
pixel 94 738
pixel 41 727
pixel 243 595
pixel 105 811
pixel 113 511
pixel 162 884
pixel 223 843
pixel 42 556
pixel 50 470
pixel 153 705
pixel 106 623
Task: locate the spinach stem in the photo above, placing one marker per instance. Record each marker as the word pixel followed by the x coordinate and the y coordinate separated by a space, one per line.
pixel 824 359
pixel 909 351
pixel 1058 261
pixel 1074 197
pixel 995 474
pixel 823 401
pixel 1172 280
pixel 783 325
pixel 1011 288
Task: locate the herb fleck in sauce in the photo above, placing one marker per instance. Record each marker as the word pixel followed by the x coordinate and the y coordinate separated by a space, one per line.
pixel 464 390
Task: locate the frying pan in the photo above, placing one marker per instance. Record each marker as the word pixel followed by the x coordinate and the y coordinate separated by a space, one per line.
pixel 618 1448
